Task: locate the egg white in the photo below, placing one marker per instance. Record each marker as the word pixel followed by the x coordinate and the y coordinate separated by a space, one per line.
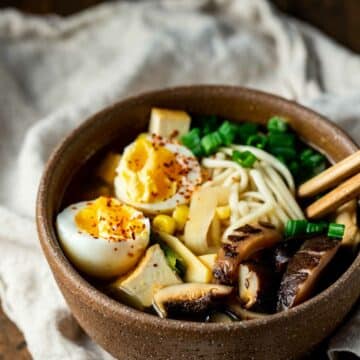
pixel 190 181
pixel 98 257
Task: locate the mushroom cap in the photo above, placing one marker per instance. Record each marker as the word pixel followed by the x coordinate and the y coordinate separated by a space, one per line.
pixel 188 299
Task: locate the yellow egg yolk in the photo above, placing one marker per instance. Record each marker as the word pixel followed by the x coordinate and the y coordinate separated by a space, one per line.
pixel 150 171
pixel 109 219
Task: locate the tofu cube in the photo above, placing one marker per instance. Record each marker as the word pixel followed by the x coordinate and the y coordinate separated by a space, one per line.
pixel 169 123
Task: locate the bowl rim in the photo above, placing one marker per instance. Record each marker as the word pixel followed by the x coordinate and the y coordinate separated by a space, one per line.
pixel 101 302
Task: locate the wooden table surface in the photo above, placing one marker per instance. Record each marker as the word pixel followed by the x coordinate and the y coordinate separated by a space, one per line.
pixel 12 344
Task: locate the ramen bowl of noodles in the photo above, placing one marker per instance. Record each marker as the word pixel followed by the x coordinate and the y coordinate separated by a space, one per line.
pixel 172 224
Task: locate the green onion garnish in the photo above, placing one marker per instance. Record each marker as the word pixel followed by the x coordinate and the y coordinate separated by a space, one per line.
pixel 211 142
pixel 227 132
pixel 314 160
pixel 277 124
pixel 305 154
pixel 245 158
pixel 336 230
pixel 245 130
pixel 192 141
pixel 286 153
pixel 294 167
pixel 210 124
pixel 304 227
pixel 258 141
pixel 281 159
pixel 316 228
pixel 281 140
pixel 295 227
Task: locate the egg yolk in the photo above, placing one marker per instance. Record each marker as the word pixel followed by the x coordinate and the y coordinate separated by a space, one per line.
pixel 109 219
pixel 151 172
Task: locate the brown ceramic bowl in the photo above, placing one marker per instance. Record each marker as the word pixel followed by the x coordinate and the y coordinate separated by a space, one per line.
pixel 130 334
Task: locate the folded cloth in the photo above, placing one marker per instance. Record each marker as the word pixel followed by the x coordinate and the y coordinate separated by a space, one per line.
pixel 55 72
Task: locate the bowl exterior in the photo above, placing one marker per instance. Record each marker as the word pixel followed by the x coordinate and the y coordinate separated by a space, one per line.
pixel 129 334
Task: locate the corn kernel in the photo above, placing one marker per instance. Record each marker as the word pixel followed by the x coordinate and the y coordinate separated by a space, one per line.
pixel 223 212
pixel 164 223
pixel 180 215
pixel 107 169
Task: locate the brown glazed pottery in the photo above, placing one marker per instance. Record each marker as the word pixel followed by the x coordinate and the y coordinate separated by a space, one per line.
pixel 130 334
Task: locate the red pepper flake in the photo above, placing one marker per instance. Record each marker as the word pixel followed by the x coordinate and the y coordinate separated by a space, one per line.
pixel 130 254
pixel 174 134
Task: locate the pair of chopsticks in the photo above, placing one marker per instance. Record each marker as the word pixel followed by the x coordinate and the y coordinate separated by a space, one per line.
pixel 333 176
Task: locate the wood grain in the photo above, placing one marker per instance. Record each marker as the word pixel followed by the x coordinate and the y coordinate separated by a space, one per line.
pixel 348 190
pixel 12 343
pixel 331 176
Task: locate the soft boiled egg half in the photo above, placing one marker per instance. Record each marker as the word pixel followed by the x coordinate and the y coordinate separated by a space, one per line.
pixel 156 174
pixel 103 238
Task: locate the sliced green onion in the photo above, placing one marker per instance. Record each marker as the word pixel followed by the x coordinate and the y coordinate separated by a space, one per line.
pixel 198 151
pixel 281 140
pixel 304 227
pixel 336 230
pixel 245 130
pixel 193 142
pixel 227 132
pixel 245 158
pixel 314 160
pixel 281 159
pixel 211 142
pixel 305 154
pixel 295 227
pixel 284 152
pixel 294 167
pixel 258 141
pixel 316 228
pixel 192 138
pixel 277 124
pixel 209 124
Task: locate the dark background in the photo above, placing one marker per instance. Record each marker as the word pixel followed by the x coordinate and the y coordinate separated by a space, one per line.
pixel 340 19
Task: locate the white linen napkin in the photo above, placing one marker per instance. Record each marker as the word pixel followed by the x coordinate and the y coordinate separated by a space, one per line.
pixel 55 72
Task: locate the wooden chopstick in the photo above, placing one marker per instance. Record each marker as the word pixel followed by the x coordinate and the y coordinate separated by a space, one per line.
pixel 346 191
pixel 331 176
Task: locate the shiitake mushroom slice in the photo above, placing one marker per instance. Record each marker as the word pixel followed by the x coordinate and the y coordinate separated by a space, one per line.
pixel 283 253
pixel 220 317
pixel 189 299
pixel 234 307
pixel 304 270
pixel 242 244
pixel 257 286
